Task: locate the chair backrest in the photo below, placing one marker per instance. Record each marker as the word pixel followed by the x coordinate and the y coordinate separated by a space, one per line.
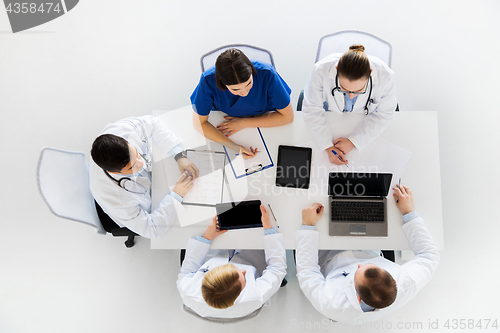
pixel 223 320
pixel 63 181
pixel 339 42
pixel 252 52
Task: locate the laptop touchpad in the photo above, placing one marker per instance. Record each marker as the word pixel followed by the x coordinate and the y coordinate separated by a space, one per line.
pixel 358 229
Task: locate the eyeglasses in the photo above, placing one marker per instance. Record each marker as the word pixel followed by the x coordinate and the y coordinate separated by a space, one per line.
pixel 338 89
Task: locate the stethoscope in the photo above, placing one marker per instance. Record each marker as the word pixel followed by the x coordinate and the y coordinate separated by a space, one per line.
pixel 337 88
pixel 134 186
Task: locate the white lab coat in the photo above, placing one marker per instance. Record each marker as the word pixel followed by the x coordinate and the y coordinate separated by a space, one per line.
pixel 319 90
pixel 334 295
pixel 258 289
pixel 132 210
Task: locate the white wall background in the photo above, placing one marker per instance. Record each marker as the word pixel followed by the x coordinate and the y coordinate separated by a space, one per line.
pixel 62 82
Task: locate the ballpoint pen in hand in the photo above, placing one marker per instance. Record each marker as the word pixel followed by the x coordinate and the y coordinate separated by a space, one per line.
pixel 340 158
pixel 399 186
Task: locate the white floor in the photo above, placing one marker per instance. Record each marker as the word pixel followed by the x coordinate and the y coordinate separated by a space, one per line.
pixel 62 82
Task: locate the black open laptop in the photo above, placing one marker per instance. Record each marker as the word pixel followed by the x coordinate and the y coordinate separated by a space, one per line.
pixel 358 204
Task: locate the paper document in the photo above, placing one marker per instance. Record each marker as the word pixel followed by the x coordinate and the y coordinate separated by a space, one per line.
pixel 247 137
pixel 208 187
pixel 381 156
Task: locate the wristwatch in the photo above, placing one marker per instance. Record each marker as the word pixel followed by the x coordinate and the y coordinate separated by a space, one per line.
pixel 180 155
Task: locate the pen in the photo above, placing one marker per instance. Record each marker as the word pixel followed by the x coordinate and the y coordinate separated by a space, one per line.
pixel 397 195
pixel 273 215
pixel 340 158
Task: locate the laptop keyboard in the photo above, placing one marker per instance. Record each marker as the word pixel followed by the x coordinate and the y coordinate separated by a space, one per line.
pixel 357 211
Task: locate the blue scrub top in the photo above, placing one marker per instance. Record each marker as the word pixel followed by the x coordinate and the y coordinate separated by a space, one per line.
pixel 269 92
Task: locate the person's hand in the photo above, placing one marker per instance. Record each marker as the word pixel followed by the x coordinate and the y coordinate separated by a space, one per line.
pixel 186 165
pixel 335 159
pixel 404 199
pixel 265 218
pixel 247 154
pixel 184 184
pixel 312 213
pixel 213 230
pixel 232 125
pixel 344 145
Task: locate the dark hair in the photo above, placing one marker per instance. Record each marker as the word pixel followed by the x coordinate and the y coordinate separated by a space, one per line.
pixel 379 290
pixel 232 67
pixel 110 152
pixel 354 64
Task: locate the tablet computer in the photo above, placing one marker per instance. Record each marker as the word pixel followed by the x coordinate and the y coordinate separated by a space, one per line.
pixel 239 215
pixel 294 166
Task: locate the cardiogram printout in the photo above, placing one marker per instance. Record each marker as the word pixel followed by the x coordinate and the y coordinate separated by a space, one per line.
pixel 208 187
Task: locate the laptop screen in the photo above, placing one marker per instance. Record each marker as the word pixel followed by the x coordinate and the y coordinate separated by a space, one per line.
pixel 359 184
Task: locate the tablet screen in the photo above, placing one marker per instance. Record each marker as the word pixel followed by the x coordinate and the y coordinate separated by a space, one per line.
pixel 294 166
pixel 237 215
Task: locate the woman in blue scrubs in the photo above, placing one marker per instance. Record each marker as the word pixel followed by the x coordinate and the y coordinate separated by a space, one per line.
pixel 251 93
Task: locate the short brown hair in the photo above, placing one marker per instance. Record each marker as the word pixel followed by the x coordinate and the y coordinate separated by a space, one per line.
pixel 379 290
pixel 221 286
pixel 354 64
pixel 232 67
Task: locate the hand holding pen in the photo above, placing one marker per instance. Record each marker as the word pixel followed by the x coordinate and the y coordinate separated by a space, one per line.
pixel 336 156
pixel 404 199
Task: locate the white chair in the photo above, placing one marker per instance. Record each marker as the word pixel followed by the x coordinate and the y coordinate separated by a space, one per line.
pixel 254 314
pixel 63 181
pixel 252 52
pixel 339 42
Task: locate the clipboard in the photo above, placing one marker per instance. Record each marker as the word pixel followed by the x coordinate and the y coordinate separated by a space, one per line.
pixel 208 188
pixel 249 137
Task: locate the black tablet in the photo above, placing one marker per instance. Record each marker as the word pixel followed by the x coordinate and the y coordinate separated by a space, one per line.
pixel 294 166
pixel 239 215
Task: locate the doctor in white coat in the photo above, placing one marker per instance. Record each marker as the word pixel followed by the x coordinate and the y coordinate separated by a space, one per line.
pixel 354 287
pixel 349 82
pixel 257 274
pixel 120 175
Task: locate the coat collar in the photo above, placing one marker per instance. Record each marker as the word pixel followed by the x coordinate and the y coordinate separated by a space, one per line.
pixel 350 292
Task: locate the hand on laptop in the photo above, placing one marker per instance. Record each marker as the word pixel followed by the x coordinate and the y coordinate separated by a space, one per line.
pixel 312 213
pixel 405 200
pixel 266 222
pixel 213 230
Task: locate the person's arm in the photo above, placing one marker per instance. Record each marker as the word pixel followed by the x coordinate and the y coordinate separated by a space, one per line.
pixel 126 209
pixel 311 280
pixel 203 126
pixel 274 248
pixel 426 259
pixel 312 108
pixel 378 119
pixel 197 250
pixel 270 119
pixel 147 129
pixel 314 114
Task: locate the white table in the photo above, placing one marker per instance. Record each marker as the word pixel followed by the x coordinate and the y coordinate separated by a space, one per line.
pixel 415 131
